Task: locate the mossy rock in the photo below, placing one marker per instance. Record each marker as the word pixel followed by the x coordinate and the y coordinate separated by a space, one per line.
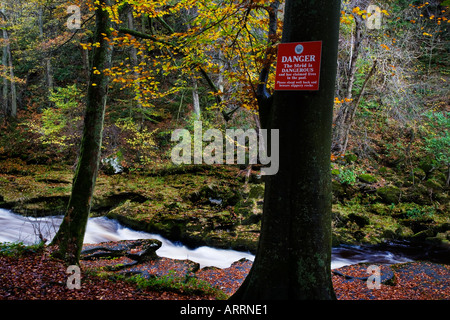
pixel 389 194
pixel 226 195
pixel 244 208
pixel 335 172
pixel 426 165
pixel 382 170
pixel 379 208
pixel 419 173
pixel 419 225
pixel 441 178
pixel 360 220
pixel 433 184
pixel 256 192
pixel 350 157
pixel 342 191
pixel 367 178
pixel 252 219
pixel 418 194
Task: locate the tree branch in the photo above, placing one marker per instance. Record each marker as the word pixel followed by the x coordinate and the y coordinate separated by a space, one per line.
pixel 226 115
pixel 264 98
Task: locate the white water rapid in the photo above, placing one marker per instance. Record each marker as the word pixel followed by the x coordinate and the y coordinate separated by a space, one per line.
pixel 17 228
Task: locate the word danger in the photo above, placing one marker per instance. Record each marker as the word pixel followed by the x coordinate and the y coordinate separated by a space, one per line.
pixel 234 140
pixel 307 58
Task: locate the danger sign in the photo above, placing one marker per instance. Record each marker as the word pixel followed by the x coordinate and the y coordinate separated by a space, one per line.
pixel 298 66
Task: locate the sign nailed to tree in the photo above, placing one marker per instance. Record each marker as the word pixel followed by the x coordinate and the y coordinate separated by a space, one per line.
pixel 298 66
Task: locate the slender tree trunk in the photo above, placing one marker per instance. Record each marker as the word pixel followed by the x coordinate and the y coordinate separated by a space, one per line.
pixel 347 125
pixel 47 59
pixel 86 63
pixel 70 235
pixel 13 111
pixel 5 79
pixel 293 259
pixel 134 59
pixel 195 98
pixel 7 64
pixel 342 118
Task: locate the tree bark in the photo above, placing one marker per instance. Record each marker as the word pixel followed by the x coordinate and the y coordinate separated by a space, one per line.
pixel 5 68
pixel 134 59
pixel 13 111
pixel 70 235
pixel 5 80
pixel 7 64
pixel 293 259
pixel 353 106
pixel 46 58
pixel 196 98
pixel 341 121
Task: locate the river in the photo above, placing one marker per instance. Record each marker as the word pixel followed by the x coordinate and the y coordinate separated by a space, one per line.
pixel 17 228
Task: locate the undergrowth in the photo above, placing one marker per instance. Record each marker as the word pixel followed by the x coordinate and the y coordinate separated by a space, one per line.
pixel 18 249
pixel 188 284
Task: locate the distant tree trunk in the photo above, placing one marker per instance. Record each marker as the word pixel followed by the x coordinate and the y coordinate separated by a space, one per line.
pixel 70 235
pixel 47 59
pixel 293 259
pixel 350 114
pixel 134 59
pixel 13 110
pixel 85 53
pixel 341 122
pixel 195 98
pixel 5 68
pixel 7 64
pixel 5 80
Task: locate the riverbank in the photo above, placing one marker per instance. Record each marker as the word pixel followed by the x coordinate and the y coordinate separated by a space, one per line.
pixel 221 206
pixel 34 274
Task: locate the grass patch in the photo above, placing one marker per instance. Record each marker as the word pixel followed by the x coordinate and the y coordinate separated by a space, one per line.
pixel 18 249
pixel 188 284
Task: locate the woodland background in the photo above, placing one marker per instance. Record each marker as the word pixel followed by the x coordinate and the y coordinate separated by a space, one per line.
pixel 199 60
pixel 175 62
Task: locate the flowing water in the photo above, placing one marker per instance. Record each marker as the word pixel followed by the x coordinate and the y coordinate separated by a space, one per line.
pixel 28 230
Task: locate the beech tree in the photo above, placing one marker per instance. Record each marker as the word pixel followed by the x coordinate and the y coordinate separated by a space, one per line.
pixel 293 259
pixel 70 235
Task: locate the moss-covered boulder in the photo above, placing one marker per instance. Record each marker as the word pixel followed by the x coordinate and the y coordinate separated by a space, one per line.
pixel 256 192
pixel 342 191
pixel 360 220
pixel 389 194
pixel 367 178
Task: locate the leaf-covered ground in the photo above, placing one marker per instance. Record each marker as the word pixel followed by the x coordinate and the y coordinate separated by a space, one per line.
pixel 38 276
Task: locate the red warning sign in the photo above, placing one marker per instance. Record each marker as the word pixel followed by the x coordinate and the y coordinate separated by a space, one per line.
pixel 298 66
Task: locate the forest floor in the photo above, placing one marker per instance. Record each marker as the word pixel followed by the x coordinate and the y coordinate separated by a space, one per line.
pixel 35 275
pixel 222 207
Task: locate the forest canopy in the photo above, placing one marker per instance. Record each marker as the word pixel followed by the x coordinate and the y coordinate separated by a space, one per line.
pixel 178 61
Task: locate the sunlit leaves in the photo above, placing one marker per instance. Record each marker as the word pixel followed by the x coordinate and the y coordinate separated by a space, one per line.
pixel 227 40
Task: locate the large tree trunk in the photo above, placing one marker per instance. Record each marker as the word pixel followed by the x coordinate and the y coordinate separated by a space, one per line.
pixel 293 260
pixel 70 235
